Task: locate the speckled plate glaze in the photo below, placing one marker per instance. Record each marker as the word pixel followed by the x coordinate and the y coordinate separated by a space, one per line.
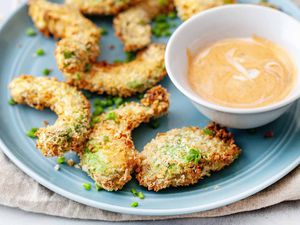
pixel 263 161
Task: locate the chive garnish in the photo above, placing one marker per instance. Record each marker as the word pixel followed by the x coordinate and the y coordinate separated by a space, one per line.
pixel 60 159
pixel 40 52
pixel 46 72
pixel 134 204
pixel 111 116
pixel 87 186
pixel 11 102
pixel 30 32
pixel 31 133
pixel 134 192
pixel 141 195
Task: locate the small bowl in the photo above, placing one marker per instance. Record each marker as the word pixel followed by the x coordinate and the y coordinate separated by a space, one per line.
pixel 233 21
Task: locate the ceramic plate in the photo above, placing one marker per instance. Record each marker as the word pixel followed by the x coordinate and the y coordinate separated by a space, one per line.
pixel 263 161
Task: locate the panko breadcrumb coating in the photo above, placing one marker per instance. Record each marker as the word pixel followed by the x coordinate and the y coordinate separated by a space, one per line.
pixel 80 37
pixel 77 52
pixel 182 157
pixel 71 129
pixel 133 25
pixel 188 8
pixel 124 79
pixel 101 7
pixel 110 156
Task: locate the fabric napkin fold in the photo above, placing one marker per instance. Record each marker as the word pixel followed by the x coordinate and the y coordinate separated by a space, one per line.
pixel 19 190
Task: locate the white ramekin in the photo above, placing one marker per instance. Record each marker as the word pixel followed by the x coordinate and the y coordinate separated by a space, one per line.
pixel 233 21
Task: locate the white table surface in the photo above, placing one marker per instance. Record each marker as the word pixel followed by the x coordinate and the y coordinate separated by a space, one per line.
pixel 287 213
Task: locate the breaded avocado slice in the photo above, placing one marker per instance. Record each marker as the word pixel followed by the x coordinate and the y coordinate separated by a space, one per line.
pixel 110 157
pixel 181 157
pixel 71 129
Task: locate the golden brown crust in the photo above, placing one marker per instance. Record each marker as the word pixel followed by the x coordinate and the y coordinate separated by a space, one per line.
pixel 124 79
pixel 77 52
pixel 181 157
pixel 188 8
pixel 103 7
pixel 133 27
pixel 71 129
pixel 80 37
pixel 110 156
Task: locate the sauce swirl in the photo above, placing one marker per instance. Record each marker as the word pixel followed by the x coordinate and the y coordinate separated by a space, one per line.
pixel 242 73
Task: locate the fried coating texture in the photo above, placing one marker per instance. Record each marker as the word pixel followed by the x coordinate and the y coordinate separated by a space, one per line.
pixel 182 157
pixel 188 8
pixel 110 156
pixel 103 7
pixel 133 27
pixel 77 52
pixel 78 46
pixel 124 79
pixel 71 129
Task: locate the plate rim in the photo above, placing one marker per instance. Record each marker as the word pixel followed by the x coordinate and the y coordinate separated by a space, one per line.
pixel 126 210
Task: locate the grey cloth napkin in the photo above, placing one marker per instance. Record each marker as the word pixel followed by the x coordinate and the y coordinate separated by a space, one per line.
pixel 19 190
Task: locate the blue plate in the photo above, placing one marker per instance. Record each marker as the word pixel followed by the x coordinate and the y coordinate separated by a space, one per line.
pixel 263 161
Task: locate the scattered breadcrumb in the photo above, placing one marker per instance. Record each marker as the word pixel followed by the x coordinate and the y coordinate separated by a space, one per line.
pixel 77 166
pixel 70 162
pixel 57 167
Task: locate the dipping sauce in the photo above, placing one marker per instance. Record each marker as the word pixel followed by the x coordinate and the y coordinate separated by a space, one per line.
pixel 242 73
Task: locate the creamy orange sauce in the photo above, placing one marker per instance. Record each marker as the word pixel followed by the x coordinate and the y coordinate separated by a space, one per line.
pixel 242 73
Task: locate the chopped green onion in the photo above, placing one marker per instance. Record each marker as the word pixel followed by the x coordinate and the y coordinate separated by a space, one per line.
pixel 111 116
pixel 134 204
pixel 68 54
pixel 154 123
pixel 87 186
pixel 95 120
pixel 60 159
pixel 135 84
pixel 11 102
pixel 99 102
pixel 193 155
pixel 134 192
pixel 46 72
pixel 40 52
pixel 30 32
pixel 118 101
pixel 103 31
pixel 109 101
pixel 98 110
pixel 105 138
pixel 141 195
pixel 208 132
pixel 31 132
pixel 161 18
pixel 130 56
pixel 87 68
pixel 172 15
